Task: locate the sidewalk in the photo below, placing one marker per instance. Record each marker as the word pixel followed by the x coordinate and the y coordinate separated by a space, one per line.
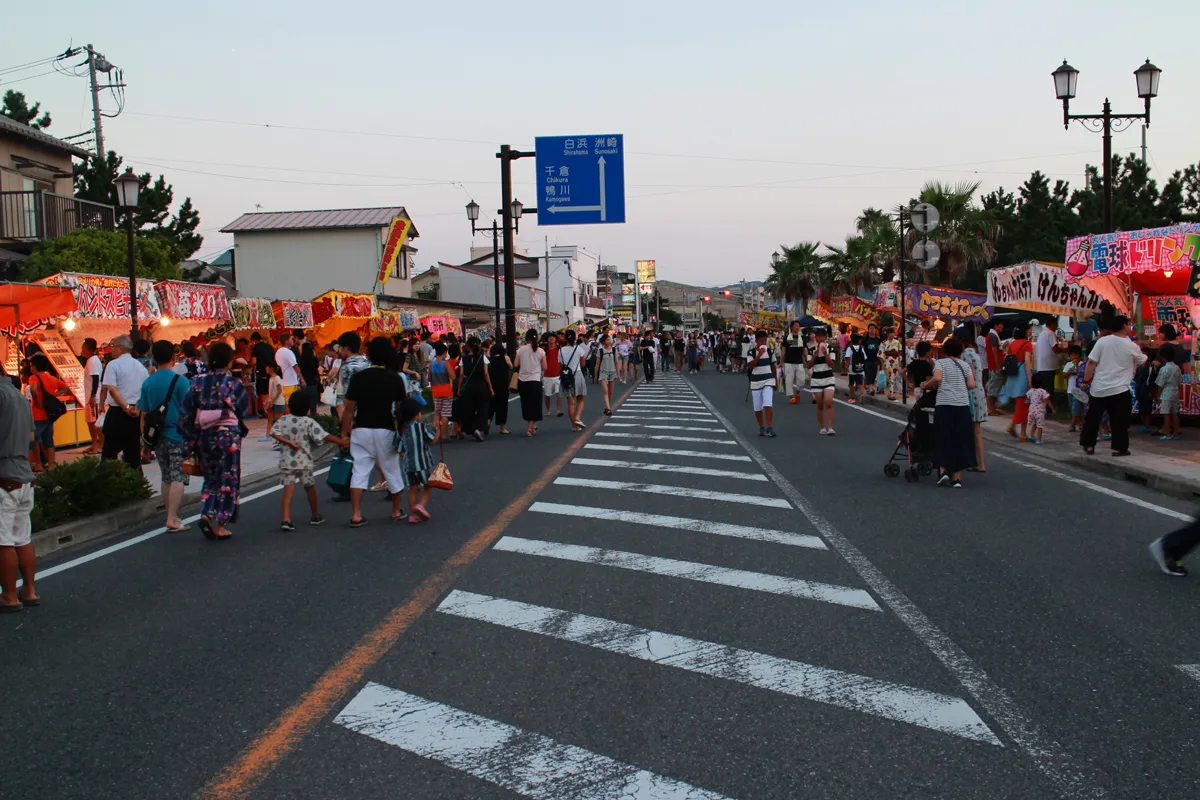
pixel 1169 467
pixel 258 459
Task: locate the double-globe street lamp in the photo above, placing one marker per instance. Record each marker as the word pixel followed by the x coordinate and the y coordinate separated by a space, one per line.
pixel 128 187
pixel 1065 79
pixel 515 210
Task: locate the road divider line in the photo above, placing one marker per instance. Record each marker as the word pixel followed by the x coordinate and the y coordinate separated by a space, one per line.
pixel 251 767
pixel 692 571
pixel 860 693
pixel 1191 670
pixel 1086 484
pixel 522 762
pixel 682 469
pixel 675 491
pixel 664 402
pixel 666 451
pixel 659 437
pixel 683 524
pixel 1072 780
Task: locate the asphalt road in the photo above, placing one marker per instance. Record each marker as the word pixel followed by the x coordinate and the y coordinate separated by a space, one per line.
pixel 666 606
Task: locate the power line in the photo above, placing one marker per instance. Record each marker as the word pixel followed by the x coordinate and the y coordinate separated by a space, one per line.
pixel 281 180
pixel 28 78
pixel 32 64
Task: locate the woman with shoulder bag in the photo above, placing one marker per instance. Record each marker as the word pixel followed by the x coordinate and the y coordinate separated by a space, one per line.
pixel 1017 367
pixel 213 424
pixel 953 434
pixel 475 390
pixel 572 379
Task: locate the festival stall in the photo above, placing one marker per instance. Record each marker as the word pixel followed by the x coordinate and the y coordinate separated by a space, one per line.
pixel 854 311
pixel 1043 288
pixel 250 314
pixel 291 315
pixel 439 325
pixel 820 310
pixel 102 306
pixel 335 313
pixel 766 320
pixel 190 310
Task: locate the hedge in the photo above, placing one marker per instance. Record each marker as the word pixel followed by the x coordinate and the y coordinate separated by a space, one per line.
pixel 83 488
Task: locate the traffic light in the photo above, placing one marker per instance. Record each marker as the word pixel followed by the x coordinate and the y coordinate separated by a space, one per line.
pixel 726 292
pixel 707 299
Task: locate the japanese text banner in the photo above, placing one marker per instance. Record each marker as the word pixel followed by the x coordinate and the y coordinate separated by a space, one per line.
pixel 951 304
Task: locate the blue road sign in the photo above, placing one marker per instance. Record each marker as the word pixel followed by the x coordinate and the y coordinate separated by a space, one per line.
pixel 581 179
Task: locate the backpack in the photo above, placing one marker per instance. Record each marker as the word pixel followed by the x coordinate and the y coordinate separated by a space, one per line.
pixel 156 419
pixel 566 378
pixel 858 357
pixel 1011 365
pixel 53 407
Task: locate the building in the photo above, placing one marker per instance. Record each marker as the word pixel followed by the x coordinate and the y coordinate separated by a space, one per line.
pixel 462 284
pixel 36 191
pixel 618 291
pixel 301 254
pixel 220 272
pixel 571 284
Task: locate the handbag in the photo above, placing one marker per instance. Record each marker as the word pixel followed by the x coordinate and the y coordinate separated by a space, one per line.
pixel 53 407
pixel 156 419
pixel 329 396
pixel 440 478
pixel 191 466
pixel 338 477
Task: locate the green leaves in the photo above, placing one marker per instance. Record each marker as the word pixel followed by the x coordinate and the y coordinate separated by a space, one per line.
pixel 14 106
pixel 83 488
pixel 101 253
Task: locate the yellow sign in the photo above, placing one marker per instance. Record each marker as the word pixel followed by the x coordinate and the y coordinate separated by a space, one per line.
pixel 392 245
pixel 646 272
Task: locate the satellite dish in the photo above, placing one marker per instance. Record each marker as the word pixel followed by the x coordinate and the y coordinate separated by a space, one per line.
pixel 925 217
pixel 926 254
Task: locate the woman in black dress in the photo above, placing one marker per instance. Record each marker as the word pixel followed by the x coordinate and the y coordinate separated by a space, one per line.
pixel 474 390
pixel 500 373
pixel 310 369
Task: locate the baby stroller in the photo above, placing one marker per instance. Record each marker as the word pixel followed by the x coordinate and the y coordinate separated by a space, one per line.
pixel 915 443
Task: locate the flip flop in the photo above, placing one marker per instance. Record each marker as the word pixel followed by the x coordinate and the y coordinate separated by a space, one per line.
pixel 10 608
pixel 31 602
pixel 206 527
pixel 358 523
pixel 420 511
pixel 976 469
pixel 413 519
pixel 179 529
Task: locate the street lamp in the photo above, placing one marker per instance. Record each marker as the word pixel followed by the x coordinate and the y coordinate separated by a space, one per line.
pixel 1066 78
pixel 473 216
pixel 128 187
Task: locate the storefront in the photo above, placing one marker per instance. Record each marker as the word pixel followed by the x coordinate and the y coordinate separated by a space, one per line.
pixel 335 313
pixel 102 306
pixel 854 311
pixel 190 311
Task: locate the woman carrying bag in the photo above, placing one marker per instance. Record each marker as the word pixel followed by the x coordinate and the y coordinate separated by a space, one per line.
pixel 475 390
pixel 213 425
pixel 953 424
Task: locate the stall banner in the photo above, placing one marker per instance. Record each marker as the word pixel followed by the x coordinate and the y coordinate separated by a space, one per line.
pixel 819 309
pixel 1043 284
pixel 192 301
pixel 353 306
pixel 1174 309
pixel 386 321
pixel 392 247
pixel 537 300
pixel 435 325
pixel 107 296
pixel 950 304
pixel 1125 252
pixel 409 318
pixel 454 325
pixel 887 297
pixel 483 332
pixel 767 320
pixel 292 314
pixel 251 313
pixel 855 309
pixel 1189 399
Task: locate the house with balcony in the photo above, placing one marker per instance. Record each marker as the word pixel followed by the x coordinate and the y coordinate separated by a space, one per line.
pixel 36 192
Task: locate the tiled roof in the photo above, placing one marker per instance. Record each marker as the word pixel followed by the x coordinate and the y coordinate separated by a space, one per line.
pixel 316 220
pixel 8 125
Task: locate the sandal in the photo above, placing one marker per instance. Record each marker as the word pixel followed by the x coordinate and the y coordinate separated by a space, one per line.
pixel 420 511
pixel 10 608
pixel 31 602
pixel 413 519
pixel 358 523
pixel 207 528
pixel 976 469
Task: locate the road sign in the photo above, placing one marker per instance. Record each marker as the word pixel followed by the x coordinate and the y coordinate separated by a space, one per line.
pixel 645 288
pixel 581 179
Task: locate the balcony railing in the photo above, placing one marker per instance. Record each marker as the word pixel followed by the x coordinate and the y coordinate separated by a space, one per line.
pixel 40 216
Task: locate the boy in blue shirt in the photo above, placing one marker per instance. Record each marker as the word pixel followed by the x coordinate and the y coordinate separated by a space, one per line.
pixel 169 447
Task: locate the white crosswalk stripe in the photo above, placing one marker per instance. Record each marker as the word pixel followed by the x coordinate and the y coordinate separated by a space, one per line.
pixel 685 470
pixel 932 710
pixel 675 491
pixel 681 523
pixel 689 570
pixel 526 763
pixel 666 451
pixel 664 438
pixel 662 427
pixel 640 415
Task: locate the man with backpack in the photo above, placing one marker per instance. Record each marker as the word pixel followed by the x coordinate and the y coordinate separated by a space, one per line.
pixel 856 358
pixel 160 404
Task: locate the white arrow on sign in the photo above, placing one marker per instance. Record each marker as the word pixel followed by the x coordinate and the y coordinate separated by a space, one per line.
pixel 602 208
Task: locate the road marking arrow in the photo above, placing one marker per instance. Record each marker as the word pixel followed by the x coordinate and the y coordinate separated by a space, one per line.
pixel 602 208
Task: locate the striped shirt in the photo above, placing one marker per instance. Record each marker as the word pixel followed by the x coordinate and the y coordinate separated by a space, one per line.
pixel 952 391
pixel 822 373
pixel 762 371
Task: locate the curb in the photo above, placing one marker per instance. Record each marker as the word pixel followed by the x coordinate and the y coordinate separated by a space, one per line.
pixel 1113 468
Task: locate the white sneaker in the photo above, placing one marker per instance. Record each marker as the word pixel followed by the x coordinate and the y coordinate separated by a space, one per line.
pixel 832 432
pixel 824 432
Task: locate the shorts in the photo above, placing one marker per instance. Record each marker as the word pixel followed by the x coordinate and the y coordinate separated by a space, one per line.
pixel 288 391
pixel 279 408
pixel 43 434
pixel 856 379
pixel 578 389
pixel 550 386
pixel 621 358
pixel 443 407
pixel 170 461
pixel 1168 403
pixel 415 479
pixel 608 374
pixel 15 507
pixel 297 477
pixel 1078 408
pixel 763 398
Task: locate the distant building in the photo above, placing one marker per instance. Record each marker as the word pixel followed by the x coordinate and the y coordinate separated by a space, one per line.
pixel 301 254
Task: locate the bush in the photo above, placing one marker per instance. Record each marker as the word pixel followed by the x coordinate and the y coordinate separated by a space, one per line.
pixel 83 488
pixel 329 423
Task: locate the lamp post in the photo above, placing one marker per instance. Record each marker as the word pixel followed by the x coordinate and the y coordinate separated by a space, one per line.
pixel 128 188
pixel 510 213
pixel 1065 79
pixel 473 216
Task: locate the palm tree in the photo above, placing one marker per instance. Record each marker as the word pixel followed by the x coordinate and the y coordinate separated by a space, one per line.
pixel 850 268
pixel 882 241
pixel 795 275
pixel 967 233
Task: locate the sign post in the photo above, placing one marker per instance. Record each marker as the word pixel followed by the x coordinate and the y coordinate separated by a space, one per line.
pixel 581 179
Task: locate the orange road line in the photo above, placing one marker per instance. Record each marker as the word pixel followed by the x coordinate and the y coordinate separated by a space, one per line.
pixel 243 775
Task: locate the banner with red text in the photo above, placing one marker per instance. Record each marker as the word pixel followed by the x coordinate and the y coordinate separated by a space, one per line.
pixel 107 296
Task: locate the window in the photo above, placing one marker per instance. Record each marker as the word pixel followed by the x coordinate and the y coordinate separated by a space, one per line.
pixel 400 268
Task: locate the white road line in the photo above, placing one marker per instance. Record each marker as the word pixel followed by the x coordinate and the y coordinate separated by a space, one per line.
pixel 1071 779
pixel 932 710
pixel 523 762
pixel 75 562
pixel 657 415
pixel 683 524
pixel 661 427
pixel 685 470
pixel 675 491
pixel 1191 670
pixel 662 438
pixel 673 402
pixel 692 571
pixel 666 451
pixel 673 407
pixel 1095 487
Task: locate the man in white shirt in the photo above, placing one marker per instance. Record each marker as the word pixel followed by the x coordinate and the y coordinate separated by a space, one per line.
pixel 289 373
pixel 93 370
pixel 1045 354
pixel 1110 368
pixel 119 393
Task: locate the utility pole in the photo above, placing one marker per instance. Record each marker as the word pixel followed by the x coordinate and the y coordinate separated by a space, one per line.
pixel 1144 144
pixel 95 102
pixel 546 261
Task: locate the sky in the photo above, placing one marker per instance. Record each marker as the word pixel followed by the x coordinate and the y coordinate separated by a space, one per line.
pixel 746 126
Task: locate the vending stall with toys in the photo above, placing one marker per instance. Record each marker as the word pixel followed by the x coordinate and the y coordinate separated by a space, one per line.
pixel 335 313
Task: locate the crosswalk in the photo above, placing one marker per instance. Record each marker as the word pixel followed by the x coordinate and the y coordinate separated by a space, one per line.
pixel 597 568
